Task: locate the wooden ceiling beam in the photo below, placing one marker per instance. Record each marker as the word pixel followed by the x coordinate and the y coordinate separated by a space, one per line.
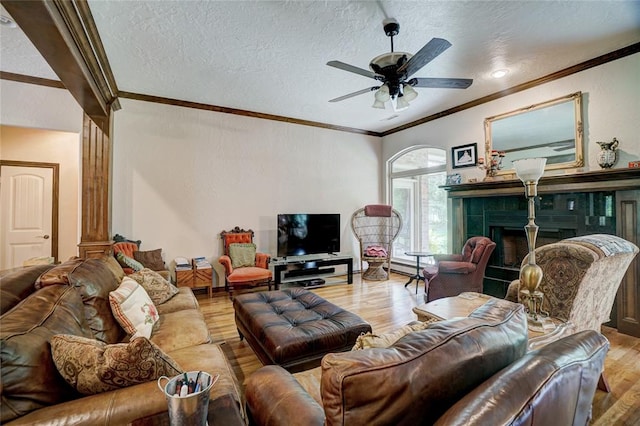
pixel 64 34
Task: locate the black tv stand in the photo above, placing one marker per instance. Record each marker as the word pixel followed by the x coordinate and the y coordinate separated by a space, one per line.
pixel 310 267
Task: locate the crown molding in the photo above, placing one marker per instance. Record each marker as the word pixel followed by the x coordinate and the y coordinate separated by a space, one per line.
pixel 242 112
pixel 600 60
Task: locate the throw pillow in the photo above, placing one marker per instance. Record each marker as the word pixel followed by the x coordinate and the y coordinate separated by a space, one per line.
pixel 375 251
pixel 242 254
pixel 133 309
pixel 369 340
pixel 151 259
pixel 158 289
pixel 128 262
pixel 92 367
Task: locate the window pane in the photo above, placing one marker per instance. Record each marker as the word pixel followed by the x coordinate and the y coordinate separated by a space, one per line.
pixel 434 213
pixel 421 203
pixel 419 159
pixel 403 201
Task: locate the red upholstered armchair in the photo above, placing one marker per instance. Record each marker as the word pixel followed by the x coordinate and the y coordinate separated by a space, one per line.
pixel 456 273
pixel 243 266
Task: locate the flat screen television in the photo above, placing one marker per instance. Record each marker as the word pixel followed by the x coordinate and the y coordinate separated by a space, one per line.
pixel 300 234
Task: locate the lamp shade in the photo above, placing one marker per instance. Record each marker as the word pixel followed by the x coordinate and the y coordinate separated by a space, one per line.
pixel 401 104
pixel 382 94
pixel 378 104
pixel 530 169
pixel 409 93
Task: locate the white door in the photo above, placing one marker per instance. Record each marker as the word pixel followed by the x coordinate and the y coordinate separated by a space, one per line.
pixel 26 195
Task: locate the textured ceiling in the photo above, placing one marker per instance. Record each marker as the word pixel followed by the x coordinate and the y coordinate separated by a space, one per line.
pixel 270 56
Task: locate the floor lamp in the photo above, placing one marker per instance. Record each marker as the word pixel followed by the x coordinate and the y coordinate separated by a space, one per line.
pixel 529 171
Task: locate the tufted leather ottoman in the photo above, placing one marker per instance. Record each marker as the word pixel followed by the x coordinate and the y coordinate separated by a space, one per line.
pixel 295 328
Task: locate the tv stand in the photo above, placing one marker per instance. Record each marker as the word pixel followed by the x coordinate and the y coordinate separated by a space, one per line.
pixel 309 267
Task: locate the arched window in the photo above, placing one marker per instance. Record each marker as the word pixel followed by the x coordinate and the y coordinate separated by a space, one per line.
pixel 414 179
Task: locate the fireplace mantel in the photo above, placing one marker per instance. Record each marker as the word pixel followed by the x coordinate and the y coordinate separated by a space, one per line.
pixel 605 201
pixel 601 180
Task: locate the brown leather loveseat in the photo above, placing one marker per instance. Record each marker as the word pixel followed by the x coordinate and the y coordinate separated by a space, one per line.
pixel 468 371
pixel 33 391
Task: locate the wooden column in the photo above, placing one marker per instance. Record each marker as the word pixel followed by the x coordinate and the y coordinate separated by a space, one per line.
pixel 628 227
pixel 96 209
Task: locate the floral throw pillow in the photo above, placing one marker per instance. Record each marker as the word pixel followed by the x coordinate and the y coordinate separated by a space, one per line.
pixel 158 289
pixel 92 367
pixel 133 309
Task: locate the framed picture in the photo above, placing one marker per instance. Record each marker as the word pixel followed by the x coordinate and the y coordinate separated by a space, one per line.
pixel 464 155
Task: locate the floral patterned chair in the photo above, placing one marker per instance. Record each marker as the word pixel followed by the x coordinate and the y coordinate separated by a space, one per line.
pixel 581 279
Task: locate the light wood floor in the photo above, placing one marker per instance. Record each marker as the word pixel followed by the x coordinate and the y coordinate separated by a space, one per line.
pixel 387 305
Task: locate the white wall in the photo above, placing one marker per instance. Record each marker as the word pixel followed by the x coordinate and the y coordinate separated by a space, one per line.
pixel 180 176
pixel 611 108
pixel 48 146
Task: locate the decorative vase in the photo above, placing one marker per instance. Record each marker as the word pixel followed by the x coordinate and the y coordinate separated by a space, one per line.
pixel 608 155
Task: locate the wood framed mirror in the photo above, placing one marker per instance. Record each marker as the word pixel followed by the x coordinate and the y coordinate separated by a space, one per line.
pixel 551 129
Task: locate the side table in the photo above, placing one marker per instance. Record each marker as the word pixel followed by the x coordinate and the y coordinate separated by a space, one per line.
pixel 417 277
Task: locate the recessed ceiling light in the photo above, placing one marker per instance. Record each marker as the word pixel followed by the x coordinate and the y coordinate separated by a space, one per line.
pixel 7 22
pixel 499 73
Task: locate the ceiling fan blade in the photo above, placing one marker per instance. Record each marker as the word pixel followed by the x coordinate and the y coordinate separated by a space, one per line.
pixel 425 55
pixel 359 92
pixel 351 68
pixel 442 83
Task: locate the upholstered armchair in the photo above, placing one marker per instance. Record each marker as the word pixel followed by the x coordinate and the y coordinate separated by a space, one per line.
pixel 243 266
pixel 457 273
pixel 581 278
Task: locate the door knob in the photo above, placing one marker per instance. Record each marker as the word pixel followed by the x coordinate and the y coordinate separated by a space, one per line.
pixel 46 237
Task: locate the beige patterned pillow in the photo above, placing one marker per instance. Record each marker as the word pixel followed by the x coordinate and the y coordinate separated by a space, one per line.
pixel 158 289
pixel 369 340
pixel 92 367
pixel 133 309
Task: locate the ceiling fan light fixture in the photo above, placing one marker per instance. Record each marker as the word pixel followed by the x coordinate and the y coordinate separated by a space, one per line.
pixel 401 103
pixel 382 94
pixel 409 93
pixel 378 104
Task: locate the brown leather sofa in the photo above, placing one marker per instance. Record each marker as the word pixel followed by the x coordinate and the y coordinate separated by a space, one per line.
pixel 468 371
pixel 33 392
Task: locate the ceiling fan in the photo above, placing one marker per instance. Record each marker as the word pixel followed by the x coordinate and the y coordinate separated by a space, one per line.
pixel 394 70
